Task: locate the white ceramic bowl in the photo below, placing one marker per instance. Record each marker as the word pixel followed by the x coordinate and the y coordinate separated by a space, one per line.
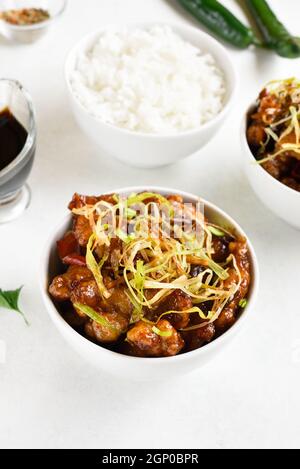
pixel 143 368
pixel 277 197
pixel 30 33
pixel 141 149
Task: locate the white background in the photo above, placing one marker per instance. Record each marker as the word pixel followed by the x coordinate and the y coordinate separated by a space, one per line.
pixel 249 396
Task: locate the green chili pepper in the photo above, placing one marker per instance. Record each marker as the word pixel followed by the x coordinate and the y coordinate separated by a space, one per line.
pixel 221 22
pixel 274 33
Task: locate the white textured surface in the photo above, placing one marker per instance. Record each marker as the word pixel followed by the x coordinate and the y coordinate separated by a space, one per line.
pixel 247 397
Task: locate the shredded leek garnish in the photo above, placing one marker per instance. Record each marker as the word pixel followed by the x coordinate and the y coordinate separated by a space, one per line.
pixel 216 231
pixel 295 124
pixel 165 334
pixel 157 254
pixel 269 131
pixel 96 267
pixel 94 315
pixel 217 269
pixel 283 89
pixel 202 315
pixel 124 236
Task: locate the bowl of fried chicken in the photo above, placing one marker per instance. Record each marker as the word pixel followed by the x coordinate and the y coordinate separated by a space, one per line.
pixel 148 283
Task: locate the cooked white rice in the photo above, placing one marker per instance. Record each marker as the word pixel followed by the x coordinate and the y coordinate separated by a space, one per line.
pixel 149 81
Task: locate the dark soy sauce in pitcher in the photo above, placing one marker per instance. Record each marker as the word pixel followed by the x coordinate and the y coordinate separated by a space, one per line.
pixel 13 137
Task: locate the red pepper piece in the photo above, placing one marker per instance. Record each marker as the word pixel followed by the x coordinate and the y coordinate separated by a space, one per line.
pixel 68 245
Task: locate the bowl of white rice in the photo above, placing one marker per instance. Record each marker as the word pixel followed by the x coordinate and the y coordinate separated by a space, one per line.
pixel 151 94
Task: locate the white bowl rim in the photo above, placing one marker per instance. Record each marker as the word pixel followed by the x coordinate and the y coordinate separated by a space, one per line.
pixel 277 183
pixel 206 126
pixel 60 322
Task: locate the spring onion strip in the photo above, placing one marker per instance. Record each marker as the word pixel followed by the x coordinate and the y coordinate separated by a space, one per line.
pixel 216 231
pixel 94 315
pixel 96 267
pixel 295 123
pixel 285 147
pixel 161 333
pixel 154 266
pixel 195 309
pixel 272 134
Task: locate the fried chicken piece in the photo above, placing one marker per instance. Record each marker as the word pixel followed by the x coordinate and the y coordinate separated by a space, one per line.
pixel 269 110
pixel 82 230
pixel 86 293
pixel 62 285
pixel 199 337
pixel 150 344
pixel 286 166
pixel 79 201
pixel 79 286
pixel 119 302
pixel 81 225
pixel 256 136
pixel 229 314
pixel 115 253
pixel 205 334
pixel 278 166
pixel 74 320
pixel 117 325
pixel 176 301
pixel 116 310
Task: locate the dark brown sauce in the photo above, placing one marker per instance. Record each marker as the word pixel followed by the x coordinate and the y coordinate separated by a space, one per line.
pixel 13 137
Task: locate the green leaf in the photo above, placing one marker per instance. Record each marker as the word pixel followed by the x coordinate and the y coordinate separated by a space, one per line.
pixel 10 300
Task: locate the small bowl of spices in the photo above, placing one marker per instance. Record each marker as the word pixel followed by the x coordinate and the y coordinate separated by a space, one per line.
pixel 17 148
pixel 27 21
